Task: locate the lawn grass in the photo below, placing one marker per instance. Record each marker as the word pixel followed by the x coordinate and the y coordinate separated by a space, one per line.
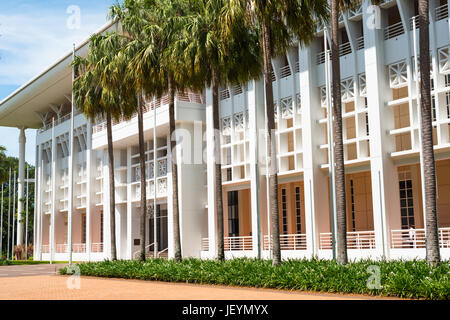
pixel 407 279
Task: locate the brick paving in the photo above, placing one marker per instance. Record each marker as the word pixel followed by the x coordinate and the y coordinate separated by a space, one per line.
pixel 54 287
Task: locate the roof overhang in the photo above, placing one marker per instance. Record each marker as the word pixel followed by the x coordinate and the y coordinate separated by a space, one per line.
pixel 52 87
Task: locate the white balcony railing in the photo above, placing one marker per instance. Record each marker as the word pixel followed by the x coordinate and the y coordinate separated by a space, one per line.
pixel 205 244
pixel 393 30
pixel 442 12
pixel 344 49
pixel 355 240
pixel 413 20
pixel 241 243
pixel 97 247
pixel 287 242
pixel 415 238
pixel 360 43
pixel 224 94
pixel 285 71
pixel 79 248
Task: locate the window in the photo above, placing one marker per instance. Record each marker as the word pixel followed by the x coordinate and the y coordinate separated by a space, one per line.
pixel 367 123
pixel 406 200
pixel 83 228
pixel 433 108
pixel 233 213
pixel 447 80
pixel 447 97
pixel 352 195
pixel 284 210
pixel 101 227
pixel 298 210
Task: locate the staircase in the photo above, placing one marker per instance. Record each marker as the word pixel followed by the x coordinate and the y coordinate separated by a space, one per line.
pixel 162 254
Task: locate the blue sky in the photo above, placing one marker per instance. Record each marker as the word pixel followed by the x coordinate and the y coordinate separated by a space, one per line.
pixel 33 35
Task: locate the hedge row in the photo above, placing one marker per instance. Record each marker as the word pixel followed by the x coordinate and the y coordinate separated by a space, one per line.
pixel 408 279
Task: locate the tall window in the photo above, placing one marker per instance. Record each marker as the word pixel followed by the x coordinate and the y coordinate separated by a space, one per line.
pixel 406 200
pixel 298 211
pixel 233 214
pixel 284 210
pixel 83 228
pixel 352 194
pixel 101 227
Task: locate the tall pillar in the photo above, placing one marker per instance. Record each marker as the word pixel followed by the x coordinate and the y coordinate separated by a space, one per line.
pixel 384 180
pixel 317 210
pixel 21 180
pixel 211 173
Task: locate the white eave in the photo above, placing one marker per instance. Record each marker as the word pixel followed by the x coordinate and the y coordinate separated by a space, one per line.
pixel 21 108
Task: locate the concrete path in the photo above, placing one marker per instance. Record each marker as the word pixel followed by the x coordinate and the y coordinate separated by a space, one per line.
pixel 41 282
pixel 29 270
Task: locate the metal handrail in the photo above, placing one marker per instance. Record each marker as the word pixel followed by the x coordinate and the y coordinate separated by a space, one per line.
pixel 139 251
pixel 162 251
pixel 442 12
pixel 393 30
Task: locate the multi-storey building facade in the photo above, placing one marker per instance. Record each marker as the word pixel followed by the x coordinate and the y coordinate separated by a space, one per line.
pixel 381 141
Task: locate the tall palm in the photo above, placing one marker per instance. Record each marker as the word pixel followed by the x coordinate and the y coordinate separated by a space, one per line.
pixel 129 14
pixel 217 50
pixel 156 26
pixel 339 182
pixel 429 168
pixel 97 93
pixel 279 21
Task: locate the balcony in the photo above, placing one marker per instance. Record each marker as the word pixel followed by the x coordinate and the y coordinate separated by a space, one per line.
pixel 49 124
pixel 287 242
pixel 355 240
pixel 186 96
pixel 240 243
pixel 415 238
pixel 393 31
pixel 441 12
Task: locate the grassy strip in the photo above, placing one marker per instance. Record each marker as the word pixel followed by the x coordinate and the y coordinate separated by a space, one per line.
pixel 25 262
pixel 408 279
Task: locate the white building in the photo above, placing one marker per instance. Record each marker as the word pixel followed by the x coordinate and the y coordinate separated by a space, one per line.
pixel 382 151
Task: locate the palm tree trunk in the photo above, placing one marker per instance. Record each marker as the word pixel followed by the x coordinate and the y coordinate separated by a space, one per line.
pixel 112 197
pixel 218 169
pixel 429 168
pixel 273 176
pixel 341 218
pixel 143 175
pixel 176 212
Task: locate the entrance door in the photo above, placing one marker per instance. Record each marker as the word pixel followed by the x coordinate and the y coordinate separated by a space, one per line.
pixel 233 213
pixel 161 228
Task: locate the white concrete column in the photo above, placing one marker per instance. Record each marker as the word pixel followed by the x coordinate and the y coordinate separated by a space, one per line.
pixel 37 202
pixel 170 242
pixel 129 244
pixel 385 193
pixel 53 212
pixel 106 211
pixel 317 212
pixel 89 189
pixel 20 186
pixel 256 114
pixel 211 176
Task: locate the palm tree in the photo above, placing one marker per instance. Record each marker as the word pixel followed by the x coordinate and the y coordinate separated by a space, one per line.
pixel 97 93
pixel 339 183
pixel 429 168
pixel 156 26
pixel 278 22
pixel 134 82
pixel 217 50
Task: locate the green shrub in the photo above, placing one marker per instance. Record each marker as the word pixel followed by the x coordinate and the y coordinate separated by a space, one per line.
pixel 409 279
